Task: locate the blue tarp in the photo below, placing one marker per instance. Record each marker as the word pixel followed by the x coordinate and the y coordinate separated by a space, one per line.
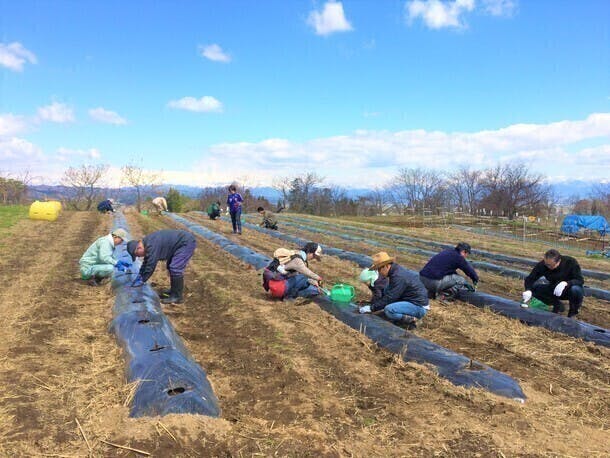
pixel 574 223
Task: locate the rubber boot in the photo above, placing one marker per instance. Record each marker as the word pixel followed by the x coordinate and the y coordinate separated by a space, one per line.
pixel 176 289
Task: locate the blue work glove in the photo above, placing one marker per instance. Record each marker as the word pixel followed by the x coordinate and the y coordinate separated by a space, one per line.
pixel 137 282
pixel 122 266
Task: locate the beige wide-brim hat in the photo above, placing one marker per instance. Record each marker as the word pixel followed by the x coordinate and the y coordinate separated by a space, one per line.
pixel 381 259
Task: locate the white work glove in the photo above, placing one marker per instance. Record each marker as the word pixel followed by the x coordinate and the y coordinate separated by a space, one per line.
pixel 527 295
pixel 559 288
pixel 365 309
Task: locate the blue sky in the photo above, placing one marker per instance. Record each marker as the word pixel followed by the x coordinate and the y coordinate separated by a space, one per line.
pixel 213 91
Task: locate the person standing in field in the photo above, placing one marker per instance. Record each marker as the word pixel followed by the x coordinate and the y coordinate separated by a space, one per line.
pixel 234 202
pixel 176 247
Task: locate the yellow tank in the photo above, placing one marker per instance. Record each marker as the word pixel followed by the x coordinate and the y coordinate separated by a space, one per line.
pixel 47 211
pixel 57 204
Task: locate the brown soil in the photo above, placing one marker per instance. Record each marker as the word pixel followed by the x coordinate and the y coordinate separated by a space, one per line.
pixel 291 380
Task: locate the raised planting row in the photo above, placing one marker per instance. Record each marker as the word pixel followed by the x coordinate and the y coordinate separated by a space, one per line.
pixel 482 265
pixel 456 368
pixel 166 378
pixel 503 306
pixel 480 253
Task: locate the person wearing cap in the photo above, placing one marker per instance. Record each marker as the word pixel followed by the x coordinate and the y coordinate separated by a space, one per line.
pixel 269 219
pixel 160 204
pixel 376 283
pixel 564 280
pixel 405 299
pixel 293 266
pixel 176 247
pixel 105 206
pixel 98 263
pixel 440 273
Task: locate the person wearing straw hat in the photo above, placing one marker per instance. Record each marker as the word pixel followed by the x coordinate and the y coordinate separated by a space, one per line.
pixel 98 263
pixel 405 299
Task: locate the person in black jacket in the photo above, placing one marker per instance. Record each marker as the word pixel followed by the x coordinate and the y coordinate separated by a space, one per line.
pixel 105 206
pixel 564 281
pixel 174 246
pixel 405 299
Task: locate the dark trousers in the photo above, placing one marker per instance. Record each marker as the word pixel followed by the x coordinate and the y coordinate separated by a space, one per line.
pixel 180 259
pixel 236 220
pixel 214 215
pixel 574 294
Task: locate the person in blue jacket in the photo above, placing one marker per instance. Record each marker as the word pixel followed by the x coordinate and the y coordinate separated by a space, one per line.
pixel 105 206
pixel 440 273
pixel 234 202
pixel 176 247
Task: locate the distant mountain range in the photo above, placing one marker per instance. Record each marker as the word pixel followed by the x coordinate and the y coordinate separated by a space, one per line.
pixel 563 190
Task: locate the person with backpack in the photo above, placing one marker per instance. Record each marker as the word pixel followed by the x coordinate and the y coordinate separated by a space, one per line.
pixel 269 220
pixel 234 202
pixel 288 275
pixel 213 210
pixel 440 275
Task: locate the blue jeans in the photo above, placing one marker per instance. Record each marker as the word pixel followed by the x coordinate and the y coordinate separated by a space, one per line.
pixel 396 310
pixel 299 286
pixel 236 220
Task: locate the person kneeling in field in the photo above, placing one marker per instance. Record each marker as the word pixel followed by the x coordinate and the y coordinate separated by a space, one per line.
pixel 176 247
pixel 440 275
pixel 405 299
pixel 213 210
pixel 564 280
pixel 160 204
pixel 97 263
pixel 269 220
pixel 288 275
pixel 375 283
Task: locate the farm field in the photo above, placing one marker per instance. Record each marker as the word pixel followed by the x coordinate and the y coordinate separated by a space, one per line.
pixel 291 380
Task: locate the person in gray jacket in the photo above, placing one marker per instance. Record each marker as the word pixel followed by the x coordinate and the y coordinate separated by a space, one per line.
pixel 405 299
pixel 176 247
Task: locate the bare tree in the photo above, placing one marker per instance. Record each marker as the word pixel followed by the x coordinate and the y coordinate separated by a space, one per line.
pixel 282 184
pixel 13 188
pixel 511 188
pixel 83 185
pixel 301 190
pixel 418 188
pixel 142 181
pixel 466 188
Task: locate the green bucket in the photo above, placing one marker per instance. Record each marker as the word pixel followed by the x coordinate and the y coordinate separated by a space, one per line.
pixel 537 304
pixel 342 293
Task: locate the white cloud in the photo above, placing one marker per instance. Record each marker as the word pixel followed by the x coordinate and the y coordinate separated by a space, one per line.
pixel 11 124
pixel 17 150
pixel 366 157
pixel 67 154
pixel 14 56
pixel 214 52
pixel 56 112
pixel 500 7
pixel 437 14
pixel 330 20
pixel 204 104
pixel 110 117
